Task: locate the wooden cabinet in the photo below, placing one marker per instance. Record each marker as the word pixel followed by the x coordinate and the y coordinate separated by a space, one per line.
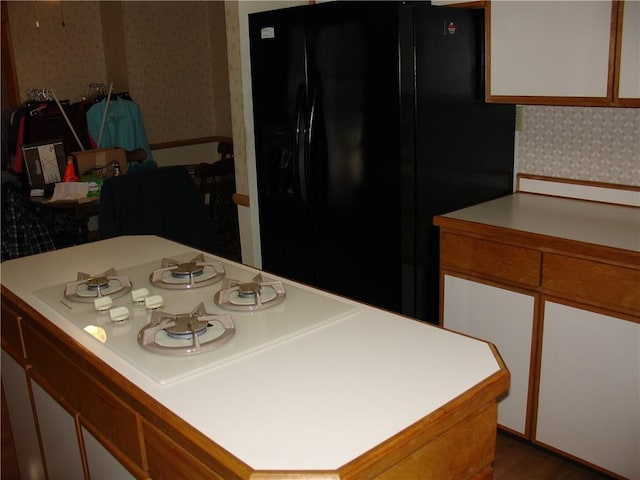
pixel 80 394
pixel 567 324
pixel 24 429
pixel 112 429
pixel 588 401
pixel 59 436
pixel 563 53
pixel 69 425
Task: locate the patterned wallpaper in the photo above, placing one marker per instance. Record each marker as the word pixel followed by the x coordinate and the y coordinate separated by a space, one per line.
pixel 232 18
pixel 170 67
pixel 175 54
pixel 62 57
pixel 583 143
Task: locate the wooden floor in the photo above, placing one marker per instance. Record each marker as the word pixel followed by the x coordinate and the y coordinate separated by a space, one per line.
pixel 519 460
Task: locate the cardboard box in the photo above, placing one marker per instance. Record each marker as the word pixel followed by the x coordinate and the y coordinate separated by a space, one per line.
pixel 102 159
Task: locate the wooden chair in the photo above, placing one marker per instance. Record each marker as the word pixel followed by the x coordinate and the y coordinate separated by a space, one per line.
pixel 217 181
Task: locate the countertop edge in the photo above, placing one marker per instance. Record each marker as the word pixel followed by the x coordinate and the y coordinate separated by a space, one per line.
pixel 542 241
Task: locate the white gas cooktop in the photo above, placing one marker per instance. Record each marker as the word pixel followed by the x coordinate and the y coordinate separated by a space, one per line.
pixel 301 310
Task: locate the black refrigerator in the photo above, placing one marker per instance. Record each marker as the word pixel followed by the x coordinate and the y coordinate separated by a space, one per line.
pixel 369 119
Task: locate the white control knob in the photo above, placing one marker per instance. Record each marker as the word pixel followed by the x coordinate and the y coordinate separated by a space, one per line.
pixel 103 303
pixel 139 295
pixel 119 314
pixel 154 301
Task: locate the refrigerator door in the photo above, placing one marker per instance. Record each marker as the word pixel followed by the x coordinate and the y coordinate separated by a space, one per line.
pixel 325 93
pixel 354 150
pixel 280 108
pixel 464 147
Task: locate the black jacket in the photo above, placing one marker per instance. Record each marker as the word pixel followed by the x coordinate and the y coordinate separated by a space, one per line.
pixel 163 202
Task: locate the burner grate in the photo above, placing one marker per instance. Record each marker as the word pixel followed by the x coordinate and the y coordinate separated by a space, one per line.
pixel 89 287
pixel 195 273
pixel 188 328
pixel 256 295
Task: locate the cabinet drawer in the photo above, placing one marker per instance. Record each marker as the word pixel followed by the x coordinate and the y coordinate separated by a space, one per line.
pixel 163 455
pixel 72 387
pixel 11 341
pixel 491 259
pixel 592 283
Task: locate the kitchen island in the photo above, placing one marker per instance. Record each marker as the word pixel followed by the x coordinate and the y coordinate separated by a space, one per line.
pixel 367 394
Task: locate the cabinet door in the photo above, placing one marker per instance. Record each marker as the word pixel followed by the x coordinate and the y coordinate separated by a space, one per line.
pixel 59 437
pixel 550 49
pixel 504 318
pixel 25 435
pixel 629 37
pixel 589 393
pixel 101 464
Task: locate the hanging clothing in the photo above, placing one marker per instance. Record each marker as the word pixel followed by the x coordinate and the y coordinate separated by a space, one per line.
pixel 123 127
pixel 41 121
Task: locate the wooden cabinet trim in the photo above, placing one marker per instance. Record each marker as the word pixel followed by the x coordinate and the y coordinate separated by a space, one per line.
pixel 617 295
pixel 623 317
pixel 137 470
pixel 611 99
pixel 613 57
pixel 80 395
pixel 618 101
pixel 160 446
pixel 592 283
pixel 543 243
pixel 501 261
pixel 544 299
pixel 536 334
pixel 557 101
pixel 11 338
pixel 406 443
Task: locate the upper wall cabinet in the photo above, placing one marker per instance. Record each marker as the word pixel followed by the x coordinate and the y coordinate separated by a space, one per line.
pixel 564 52
pixel 627 87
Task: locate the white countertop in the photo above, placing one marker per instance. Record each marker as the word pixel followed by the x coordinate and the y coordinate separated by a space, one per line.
pixel 315 401
pixel 596 223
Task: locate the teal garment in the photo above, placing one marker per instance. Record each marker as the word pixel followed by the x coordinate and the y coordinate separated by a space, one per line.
pixel 123 126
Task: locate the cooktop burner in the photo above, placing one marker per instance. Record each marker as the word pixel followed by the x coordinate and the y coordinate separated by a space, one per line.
pixel 121 322
pixel 89 287
pixel 177 275
pixel 184 334
pixel 257 294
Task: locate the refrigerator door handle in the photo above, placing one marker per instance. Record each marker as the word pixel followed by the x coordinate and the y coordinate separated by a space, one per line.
pixel 312 117
pixel 309 139
pixel 300 150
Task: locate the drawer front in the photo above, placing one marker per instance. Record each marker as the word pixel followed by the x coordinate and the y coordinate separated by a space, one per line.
pixel 592 283
pixel 110 416
pixel 11 341
pixel 169 461
pixel 490 259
